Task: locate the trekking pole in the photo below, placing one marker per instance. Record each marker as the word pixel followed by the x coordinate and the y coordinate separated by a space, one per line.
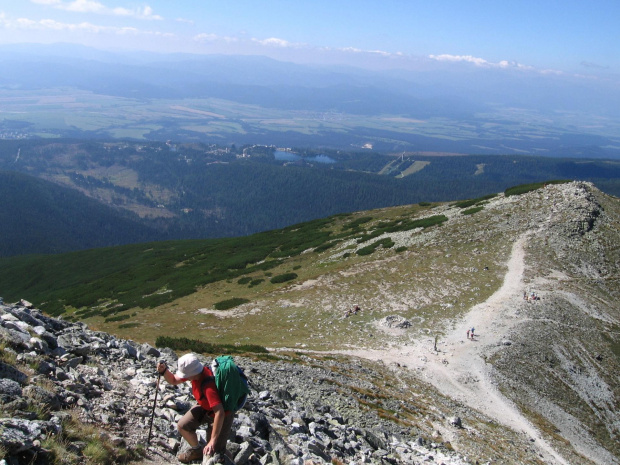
pixel 148 441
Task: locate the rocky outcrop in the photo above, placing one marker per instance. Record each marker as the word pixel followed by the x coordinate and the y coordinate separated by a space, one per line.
pixel 395 321
pixel 51 369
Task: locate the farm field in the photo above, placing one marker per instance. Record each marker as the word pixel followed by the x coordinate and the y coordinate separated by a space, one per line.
pixel 55 113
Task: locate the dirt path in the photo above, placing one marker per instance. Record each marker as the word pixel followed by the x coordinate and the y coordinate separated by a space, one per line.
pixel 458 369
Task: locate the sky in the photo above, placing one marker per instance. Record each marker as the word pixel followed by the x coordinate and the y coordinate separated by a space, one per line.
pixel 563 36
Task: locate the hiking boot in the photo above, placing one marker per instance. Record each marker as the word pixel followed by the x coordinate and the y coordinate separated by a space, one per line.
pixel 190 455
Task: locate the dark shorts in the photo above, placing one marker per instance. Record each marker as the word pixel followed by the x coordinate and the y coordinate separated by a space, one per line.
pixel 194 417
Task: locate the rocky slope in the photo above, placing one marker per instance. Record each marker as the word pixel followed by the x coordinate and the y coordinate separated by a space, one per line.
pixel 564 361
pixel 72 395
pixel 56 374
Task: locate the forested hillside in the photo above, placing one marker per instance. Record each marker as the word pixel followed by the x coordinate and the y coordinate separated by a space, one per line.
pixel 38 216
pixel 185 191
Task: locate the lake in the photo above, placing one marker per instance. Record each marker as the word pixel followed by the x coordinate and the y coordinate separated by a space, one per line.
pixel 289 156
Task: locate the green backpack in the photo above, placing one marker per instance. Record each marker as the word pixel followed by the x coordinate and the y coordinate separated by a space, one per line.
pixel 231 382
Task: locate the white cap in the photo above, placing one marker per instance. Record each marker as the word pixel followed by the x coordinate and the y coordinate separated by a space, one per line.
pixel 189 366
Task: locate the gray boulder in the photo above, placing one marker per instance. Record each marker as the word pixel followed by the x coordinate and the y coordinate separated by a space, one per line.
pixel 51 341
pixel 9 390
pixel 14 338
pixel 9 372
pixel 42 396
pixel 17 435
pixel 147 349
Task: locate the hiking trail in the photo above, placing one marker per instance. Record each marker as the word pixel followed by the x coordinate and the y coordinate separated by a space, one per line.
pixel 458 368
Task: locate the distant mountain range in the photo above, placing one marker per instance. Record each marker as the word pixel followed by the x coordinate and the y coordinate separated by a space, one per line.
pixel 261 100
pixel 244 79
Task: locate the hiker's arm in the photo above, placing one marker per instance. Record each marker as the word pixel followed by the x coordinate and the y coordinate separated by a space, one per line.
pixel 218 422
pixel 170 377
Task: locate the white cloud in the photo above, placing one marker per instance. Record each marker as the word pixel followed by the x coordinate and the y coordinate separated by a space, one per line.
pixel 84 6
pixel 270 42
pixel 22 23
pixel 552 71
pixel 51 24
pixel 204 37
pixel 457 58
pixel 93 6
pixel 275 42
pixel 183 20
pixel 359 50
pixel 142 13
pixel 505 64
pixel 58 26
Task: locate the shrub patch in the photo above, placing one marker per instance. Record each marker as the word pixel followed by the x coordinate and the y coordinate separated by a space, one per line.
pixel 201 347
pixel 230 303
pixel 282 278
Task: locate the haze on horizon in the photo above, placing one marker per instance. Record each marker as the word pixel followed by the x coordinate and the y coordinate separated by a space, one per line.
pixel 576 37
pixel 535 68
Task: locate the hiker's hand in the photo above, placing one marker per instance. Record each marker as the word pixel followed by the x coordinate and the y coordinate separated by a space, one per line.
pixel 161 367
pixel 209 448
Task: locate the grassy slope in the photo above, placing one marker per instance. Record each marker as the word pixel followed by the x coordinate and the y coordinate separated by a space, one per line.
pixel 175 285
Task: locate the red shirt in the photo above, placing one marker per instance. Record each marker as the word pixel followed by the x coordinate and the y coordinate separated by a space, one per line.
pixel 206 394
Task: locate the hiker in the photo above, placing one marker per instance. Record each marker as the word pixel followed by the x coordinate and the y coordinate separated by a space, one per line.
pixel 472 334
pixel 208 409
pixel 468 333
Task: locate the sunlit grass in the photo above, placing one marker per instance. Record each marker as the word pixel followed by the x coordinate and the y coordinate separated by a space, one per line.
pixel 425 284
pixel 98 449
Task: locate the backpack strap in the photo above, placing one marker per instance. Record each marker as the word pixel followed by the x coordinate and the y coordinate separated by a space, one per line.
pixel 203 385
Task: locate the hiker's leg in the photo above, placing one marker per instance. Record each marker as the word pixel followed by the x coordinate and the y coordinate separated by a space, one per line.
pixel 226 427
pixel 209 422
pixel 189 423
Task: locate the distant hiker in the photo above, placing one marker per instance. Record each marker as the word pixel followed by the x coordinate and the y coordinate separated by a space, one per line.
pixel 468 333
pixel 472 334
pixel 209 409
pixel 356 309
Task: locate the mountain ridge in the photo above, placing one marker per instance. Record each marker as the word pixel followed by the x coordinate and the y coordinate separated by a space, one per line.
pixel 554 361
